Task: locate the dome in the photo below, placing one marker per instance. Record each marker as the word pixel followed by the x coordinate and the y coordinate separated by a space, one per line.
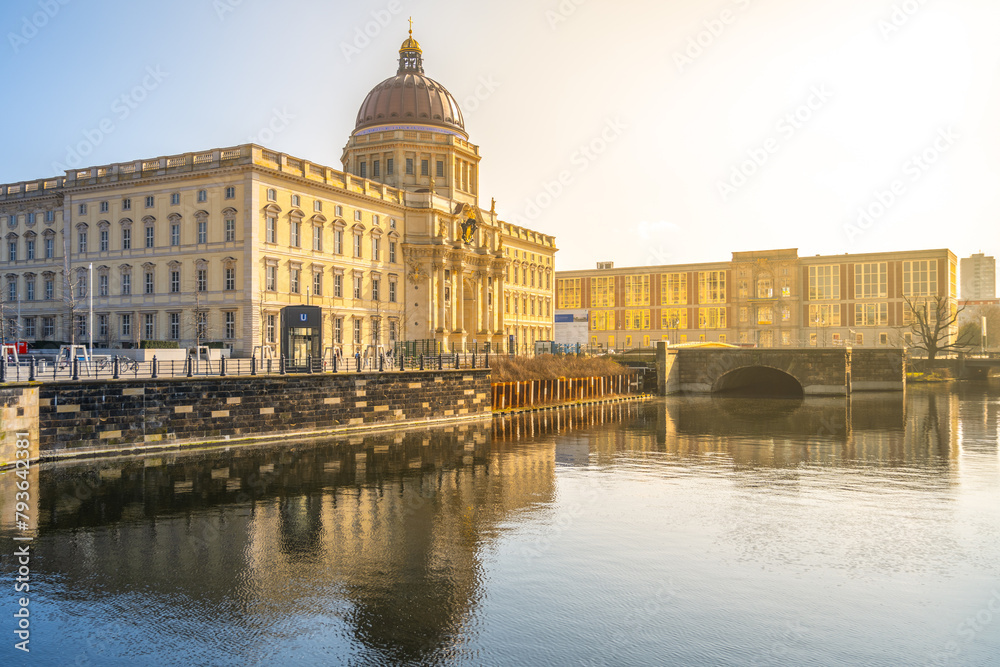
pixel 411 97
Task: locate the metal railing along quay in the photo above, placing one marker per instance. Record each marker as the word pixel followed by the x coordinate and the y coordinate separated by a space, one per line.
pixel 121 368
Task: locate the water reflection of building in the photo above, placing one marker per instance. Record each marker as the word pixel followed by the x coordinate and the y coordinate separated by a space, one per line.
pixel 383 533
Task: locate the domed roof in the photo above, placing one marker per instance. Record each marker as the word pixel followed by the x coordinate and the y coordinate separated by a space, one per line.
pixel 411 97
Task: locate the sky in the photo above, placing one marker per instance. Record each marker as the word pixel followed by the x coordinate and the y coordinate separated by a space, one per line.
pixel 640 132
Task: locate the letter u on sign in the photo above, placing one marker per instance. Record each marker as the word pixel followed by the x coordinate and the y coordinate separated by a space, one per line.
pixel 302 317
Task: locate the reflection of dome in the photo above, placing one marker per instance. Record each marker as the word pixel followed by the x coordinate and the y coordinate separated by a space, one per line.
pixel 411 97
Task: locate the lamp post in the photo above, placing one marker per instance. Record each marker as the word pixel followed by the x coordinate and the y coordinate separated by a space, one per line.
pixel 90 315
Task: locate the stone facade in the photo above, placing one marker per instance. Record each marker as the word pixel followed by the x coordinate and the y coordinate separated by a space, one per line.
pixel 98 417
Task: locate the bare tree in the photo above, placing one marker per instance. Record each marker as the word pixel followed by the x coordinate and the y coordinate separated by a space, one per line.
pixel 931 325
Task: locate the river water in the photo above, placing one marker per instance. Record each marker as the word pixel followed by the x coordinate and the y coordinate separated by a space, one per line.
pixel 677 531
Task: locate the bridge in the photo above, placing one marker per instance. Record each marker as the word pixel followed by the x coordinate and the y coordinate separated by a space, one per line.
pixel 779 371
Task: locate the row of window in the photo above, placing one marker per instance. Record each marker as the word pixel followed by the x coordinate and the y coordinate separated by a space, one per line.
pixel 80 283
pixel 48 248
pixel 30 217
pixel 376 167
pixel 295 284
pixel 356 326
pixel 150 201
pixel 295 240
pixel 527 276
pixel 765 339
pixel 525 306
pixel 149 233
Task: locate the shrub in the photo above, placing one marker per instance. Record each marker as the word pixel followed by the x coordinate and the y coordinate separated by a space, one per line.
pixel 158 344
pixel 550 367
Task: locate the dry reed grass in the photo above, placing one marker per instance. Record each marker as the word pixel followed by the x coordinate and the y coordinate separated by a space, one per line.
pixel 550 367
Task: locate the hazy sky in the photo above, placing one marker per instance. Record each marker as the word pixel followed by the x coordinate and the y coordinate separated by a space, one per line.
pixel 639 132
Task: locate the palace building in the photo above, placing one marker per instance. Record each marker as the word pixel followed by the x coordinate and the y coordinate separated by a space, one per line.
pixel 768 298
pixel 211 246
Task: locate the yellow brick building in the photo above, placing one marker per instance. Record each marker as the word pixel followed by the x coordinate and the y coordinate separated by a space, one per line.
pixel 211 245
pixel 769 298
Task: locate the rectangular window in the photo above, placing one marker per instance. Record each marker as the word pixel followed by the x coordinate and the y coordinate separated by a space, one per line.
pixel 357 245
pixel 376 172
pixel 363 173
pixel 674 318
pixel 871 281
pixel 82 209
pixel 673 289
pixel 602 292
pixel 440 169
pixel 81 242
pixel 50 247
pixel 175 282
pixel 175 326
pixel 230 229
pixel 871 314
pixel 765 315
pixel 296 201
pixel 175 199
pixel 148 284
pixel 293 281
pixel 29 327
pixel 149 326
pixel 711 318
pixel 392 291
pixel 376 285
pixel 48 327
pixel 271 278
pixel 30 289
pixel 338 210
pixel 388 166
pixel 338 285
pixel 392 252
pixel 637 290
pixel 202 231
pixel 104 241
pixel 50 216
pixel 230 192
pixel 126 239
pixel 12 251
pixel 357 287
pixel 357 332
pixel 102 326
pixel 317 206
pixel 376 248
pixel 824 315
pixel 637 319
pixel 317 238
pixel 230 325
pixel 318 283
pixel 392 331
pixel 409 166
pixel 568 293
pixel 376 330
pixel 202 280
pixel 824 283
pixel 338 329
pixel 125 320
pixel 338 242
pixel 126 204
pixel 49 289
pixel 202 195
pixel 150 201
pixel 104 209
pixel 126 284
pixel 271 224
pixel 272 327
pixel 150 237
pixel 424 167
pixel 711 287
pixel 920 278
pixel 175 234
pixel 230 275
pixel 201 325
pixel 102 285
pixel 293 228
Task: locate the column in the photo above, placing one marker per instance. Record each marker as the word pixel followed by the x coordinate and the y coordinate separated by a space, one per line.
pixel 483 324
pixel 459 300
pixel 439 274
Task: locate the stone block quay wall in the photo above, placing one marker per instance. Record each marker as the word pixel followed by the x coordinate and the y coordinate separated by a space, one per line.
pixel 99 417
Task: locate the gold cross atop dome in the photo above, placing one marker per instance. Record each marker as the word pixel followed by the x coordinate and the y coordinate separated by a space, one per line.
pixel 411 44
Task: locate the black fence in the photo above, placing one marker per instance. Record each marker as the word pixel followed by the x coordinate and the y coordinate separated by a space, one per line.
pixel 114 368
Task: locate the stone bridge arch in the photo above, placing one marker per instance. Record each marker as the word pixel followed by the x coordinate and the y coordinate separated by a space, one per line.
pixel 815 371
pixel 759 381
